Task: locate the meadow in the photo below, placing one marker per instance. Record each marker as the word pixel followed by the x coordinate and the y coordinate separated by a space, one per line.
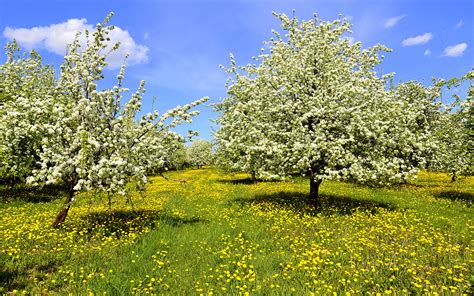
pixel 208 232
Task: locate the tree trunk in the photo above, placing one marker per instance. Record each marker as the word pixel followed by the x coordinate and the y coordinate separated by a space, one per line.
pixel 110 201
pixel 453 177
pixel 61 217
pixel 253 176
pixel 12 184
pixel 314 191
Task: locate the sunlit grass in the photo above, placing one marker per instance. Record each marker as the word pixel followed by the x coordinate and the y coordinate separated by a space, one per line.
pixel 218 233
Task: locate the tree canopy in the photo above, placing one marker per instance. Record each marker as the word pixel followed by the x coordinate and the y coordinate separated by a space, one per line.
pixel 26 100
pixel 199 153
pixel 315 105
pixel 91 137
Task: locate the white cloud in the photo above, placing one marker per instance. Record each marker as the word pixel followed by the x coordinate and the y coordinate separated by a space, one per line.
pixel 420 39
pixel 56 37
pixel 427 52
pixel 459 24
pixel 391 22
pixel 455 50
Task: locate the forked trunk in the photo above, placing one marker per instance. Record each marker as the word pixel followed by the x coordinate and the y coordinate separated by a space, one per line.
pixel 61 217
pixel 314 191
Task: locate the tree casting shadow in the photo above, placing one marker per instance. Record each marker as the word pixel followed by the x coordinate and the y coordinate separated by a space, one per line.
pixel 463 196
pixel 330 204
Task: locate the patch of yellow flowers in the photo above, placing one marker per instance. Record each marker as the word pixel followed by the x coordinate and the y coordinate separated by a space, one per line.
pixel 266 246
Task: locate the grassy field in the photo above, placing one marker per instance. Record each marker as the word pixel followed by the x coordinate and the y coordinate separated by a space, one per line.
pixel 222 234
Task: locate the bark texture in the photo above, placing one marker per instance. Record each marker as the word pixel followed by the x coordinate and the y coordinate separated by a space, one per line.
pixel 61 217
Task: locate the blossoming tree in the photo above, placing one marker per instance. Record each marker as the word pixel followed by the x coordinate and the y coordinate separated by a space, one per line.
pixel 199 153
pixel 455 132
pixel 177 159
pixel 424 113
pixel 314 104
pixel 96 140
pixel 26 98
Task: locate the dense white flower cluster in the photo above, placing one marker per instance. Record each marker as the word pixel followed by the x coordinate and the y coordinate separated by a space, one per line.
pixel 455 132
pixel 314 105
pixel 199 153
pixel 26 98
pixel 424 113
pixel 92 138
pixel 176 159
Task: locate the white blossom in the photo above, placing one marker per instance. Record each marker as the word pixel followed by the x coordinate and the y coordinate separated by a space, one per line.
pixel 314 105
pixel 92 138
pixel 199 153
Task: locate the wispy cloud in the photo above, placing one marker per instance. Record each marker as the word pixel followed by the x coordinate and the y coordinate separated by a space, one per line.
pixel 427 52
pixel 459 25
pixel 420 39
pixel 391 22
pixel 456 50
pixel 56 37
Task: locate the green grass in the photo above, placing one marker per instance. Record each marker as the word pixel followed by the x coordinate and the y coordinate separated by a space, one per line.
pixel 221 234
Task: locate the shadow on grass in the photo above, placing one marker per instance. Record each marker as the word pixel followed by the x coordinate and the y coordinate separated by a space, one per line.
pixel 122 222
pixel 26 193
pixel 330 204
pixel 11 279
pixel 18 277
pixel 417 185
pixel 246 181
pixel 97 225
pixel 463 196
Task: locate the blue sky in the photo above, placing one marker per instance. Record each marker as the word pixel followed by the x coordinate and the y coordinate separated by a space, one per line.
pixel 177 46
